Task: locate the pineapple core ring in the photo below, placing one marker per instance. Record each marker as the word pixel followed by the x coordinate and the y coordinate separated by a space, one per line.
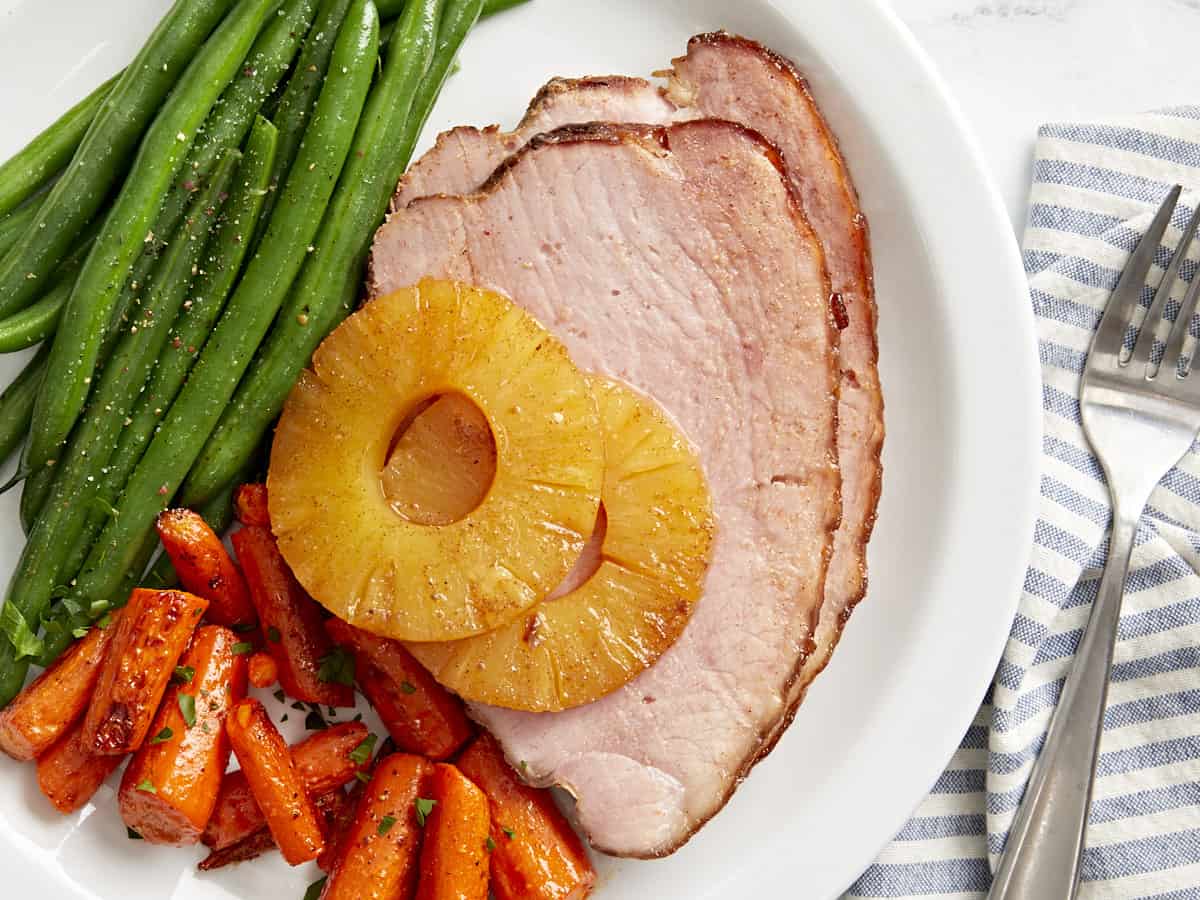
pixel 348 546
pixel 575 649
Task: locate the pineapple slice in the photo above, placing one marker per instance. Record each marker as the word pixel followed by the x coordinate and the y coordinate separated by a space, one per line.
pixel 654 553
pixel 359 555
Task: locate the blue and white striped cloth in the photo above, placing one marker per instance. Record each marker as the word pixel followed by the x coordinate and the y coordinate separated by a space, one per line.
pixel 1095 188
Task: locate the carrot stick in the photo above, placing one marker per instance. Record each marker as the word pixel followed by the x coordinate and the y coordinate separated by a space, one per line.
pixel 262 670
pixel 536 855
pixel 275 782
pixel 324 762
pixel 330 807
pixel 291 621
pixel 246 849
pixel 148 639
pixel 69 773
pixel 339 824
pixel 204 567
pixel 454 854
pixel 378 858
pixel 420 715
pixel 170 787
pixel 45 709
pixel 250 502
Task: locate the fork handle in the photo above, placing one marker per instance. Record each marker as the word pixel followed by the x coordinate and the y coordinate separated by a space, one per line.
pixel 1044 853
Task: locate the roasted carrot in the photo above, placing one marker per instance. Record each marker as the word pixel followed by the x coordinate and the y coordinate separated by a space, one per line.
pixel 250 503
pixel 247 848
pixel 205 568
pixel 454 853
pixel 275 782
pixel 170 787
pixel 536 854
pixel 331 806
pixel 45 709
pixel 69 773
pixel 326 760
pixel 290 619
pixel 339 823
pixel 262 670
pixel 148 639
pixel 378 857
pixel 420 715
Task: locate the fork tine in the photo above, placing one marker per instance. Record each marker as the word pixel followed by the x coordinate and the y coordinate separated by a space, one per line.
pixel 1145 341
pixel 1119 310
pixel 1179 331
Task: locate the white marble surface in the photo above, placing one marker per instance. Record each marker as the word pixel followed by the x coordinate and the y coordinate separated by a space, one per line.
pixel 1014 64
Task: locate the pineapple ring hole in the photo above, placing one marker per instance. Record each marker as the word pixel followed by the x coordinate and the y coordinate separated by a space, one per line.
pixel 589 560
pixel 442 461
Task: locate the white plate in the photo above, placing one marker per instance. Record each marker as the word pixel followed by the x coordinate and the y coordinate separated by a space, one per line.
pixel 961 385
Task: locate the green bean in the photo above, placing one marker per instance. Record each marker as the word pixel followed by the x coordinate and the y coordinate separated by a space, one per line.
pixel 222 261
pixel 37 322
pixel 103 157
pixel 14 226
pixel 34 491
pixel 50 151
pixel 74 489
pixel 74 355
pixel 296 104
pixel 250 310
pixel 327 287
pixel 491 7
pixel 16 404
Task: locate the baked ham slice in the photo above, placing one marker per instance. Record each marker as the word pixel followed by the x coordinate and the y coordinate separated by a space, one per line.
pixel 677 259
pixel 728 77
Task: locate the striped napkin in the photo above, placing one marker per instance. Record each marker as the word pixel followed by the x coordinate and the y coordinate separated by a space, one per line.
pixel 1095 189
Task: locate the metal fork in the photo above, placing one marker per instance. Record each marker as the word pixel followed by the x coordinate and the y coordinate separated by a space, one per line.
pixel 1140 419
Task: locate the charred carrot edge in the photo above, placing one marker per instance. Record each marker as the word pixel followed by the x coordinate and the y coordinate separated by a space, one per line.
pixel 454 853
pixel 204 567
pixel 536 854
pixel 69 773
pixel 262 670
pixel 420 715
pixel 330 806
pixel 150 636
pixel 171 785
pixel 246 849
pixel 324 762
pixel 290 619
pixel 46 708
pixel 378 857
pixel 250 502
pixel 275 782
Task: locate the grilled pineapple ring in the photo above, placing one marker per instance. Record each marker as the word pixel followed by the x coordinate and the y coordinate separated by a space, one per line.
pixel 351 549
pixel 574 649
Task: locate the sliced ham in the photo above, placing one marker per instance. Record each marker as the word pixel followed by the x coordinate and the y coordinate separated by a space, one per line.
pixel 728 77
pixel 678 259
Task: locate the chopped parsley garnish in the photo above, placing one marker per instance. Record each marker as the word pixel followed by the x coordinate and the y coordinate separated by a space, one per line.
pixel 423 807
pixel 280 696
pixel 363 777
pixel 298 705
pixel 131 834
pixel 362 752
pixel 337 667
pixel 244 627
pixel 407 688
pixel 508 832
pixel 148 786
pixel 490 844
pixel 385 825
pixel 523 766
pixel 184 674
pixel 163 736
pixel 187 706
pixel 314 889
pixel 283 718
pixel 105 621
pixel 79 632
pixel 314 721
pixel 242 647
pixel 273 635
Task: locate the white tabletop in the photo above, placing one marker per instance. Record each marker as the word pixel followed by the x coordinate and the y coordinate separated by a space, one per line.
pixel 1014 64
